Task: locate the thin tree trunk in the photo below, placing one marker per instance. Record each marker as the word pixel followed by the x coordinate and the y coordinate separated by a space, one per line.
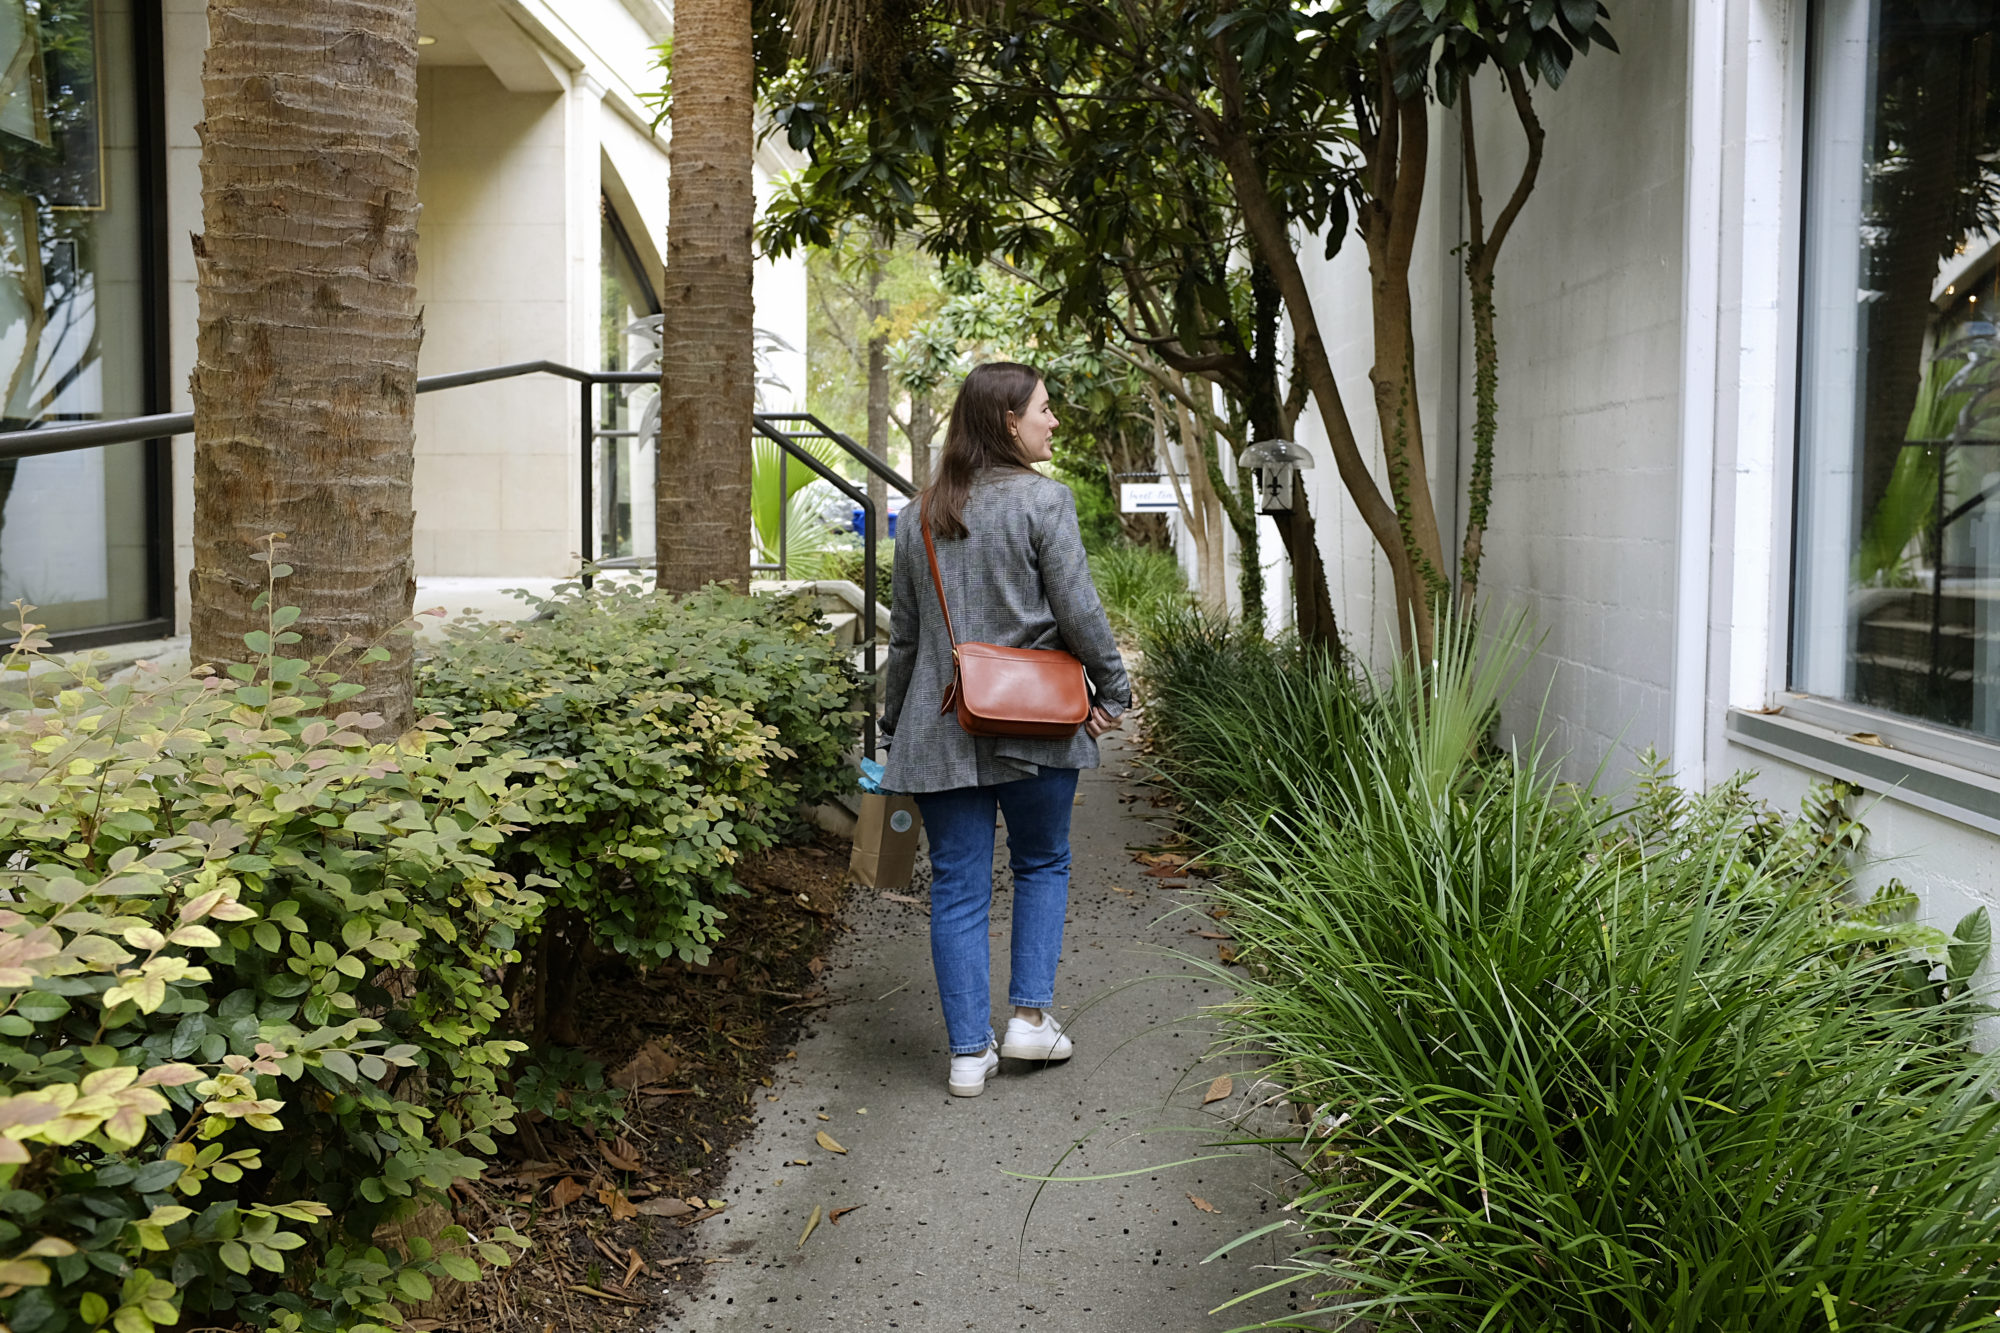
pixel 920 431
pixel 1389 230
pixel 306 348
pixel 877 310
pixel 1405 524
pixel 1482 254
pixel 1196 448
pixel 707 357
pixel 1272 242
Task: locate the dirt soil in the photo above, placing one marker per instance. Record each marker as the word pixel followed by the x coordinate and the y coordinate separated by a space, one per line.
pixel 614 1213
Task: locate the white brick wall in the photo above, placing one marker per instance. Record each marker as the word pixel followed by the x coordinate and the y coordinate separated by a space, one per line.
pixel 1588 294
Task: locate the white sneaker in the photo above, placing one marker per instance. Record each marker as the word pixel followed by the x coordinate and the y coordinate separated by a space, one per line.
pixel 968 1073
pixel 1031 1041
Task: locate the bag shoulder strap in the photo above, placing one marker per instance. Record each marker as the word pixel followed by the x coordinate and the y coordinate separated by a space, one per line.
pixel 937 580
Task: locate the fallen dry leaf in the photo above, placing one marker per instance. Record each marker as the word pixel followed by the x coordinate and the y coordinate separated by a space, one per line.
pixel 1203 1204
pixel 665 1207
pixel 1225 953
pixel 1115 888
pixel 651 1065
pixel 1219 1089
pixel 1211 935
pixel 633 1269
pixel 904 898
pixel 566 1192
pixel 603 1295
pixel 1867 738
pixel 811 1223
pixel 838 1213
pixel 1165 872
pixel 620 1206
pixel 825 1140
pixel 622 1155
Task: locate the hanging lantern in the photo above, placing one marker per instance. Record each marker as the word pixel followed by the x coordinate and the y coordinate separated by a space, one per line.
pixel 1274 462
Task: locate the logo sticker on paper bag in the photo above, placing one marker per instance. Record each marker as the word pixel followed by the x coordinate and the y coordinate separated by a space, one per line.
pixel 902 821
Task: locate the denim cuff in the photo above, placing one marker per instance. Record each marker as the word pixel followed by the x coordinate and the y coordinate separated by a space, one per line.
pixel 992 1043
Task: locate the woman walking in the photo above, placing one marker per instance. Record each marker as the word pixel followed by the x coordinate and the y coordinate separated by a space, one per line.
pixel 1011 560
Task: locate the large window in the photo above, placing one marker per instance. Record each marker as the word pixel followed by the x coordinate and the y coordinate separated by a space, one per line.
pixel 625 459
pixel 79 532
pixel 1898 556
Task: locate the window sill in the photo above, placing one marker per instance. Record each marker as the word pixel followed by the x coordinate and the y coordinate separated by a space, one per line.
pixel 1938 786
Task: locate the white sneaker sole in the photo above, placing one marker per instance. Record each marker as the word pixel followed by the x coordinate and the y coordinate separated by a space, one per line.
pixel 1036 1051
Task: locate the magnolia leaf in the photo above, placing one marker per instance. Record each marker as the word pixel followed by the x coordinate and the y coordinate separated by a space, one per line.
pixel 812 1224
pixel 24 1273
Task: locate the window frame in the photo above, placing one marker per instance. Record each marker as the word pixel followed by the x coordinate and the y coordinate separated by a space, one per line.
pixel 149 82
pixel 1954 769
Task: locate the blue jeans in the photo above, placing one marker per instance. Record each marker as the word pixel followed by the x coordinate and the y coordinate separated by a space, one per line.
pixel 959 824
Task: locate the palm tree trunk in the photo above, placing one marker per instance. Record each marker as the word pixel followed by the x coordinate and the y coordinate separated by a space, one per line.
pixel 707 360
pixel 306 349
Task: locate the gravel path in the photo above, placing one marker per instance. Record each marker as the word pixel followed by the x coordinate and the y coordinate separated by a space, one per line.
pixel 942 1236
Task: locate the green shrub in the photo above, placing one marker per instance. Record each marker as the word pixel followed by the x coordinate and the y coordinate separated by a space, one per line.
pixel 1138 584
pixel 690 731
pixel 845 562
pixel 1566 1067
pixel 248 992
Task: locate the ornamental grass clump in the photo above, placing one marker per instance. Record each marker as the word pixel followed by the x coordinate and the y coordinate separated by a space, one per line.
pixel 689 732
pixel 250 962
pixel 1565 1066
pixel 1138 584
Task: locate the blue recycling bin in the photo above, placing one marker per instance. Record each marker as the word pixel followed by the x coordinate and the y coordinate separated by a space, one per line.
pixel 859 524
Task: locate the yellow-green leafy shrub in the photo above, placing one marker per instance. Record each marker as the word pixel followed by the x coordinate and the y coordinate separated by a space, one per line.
pixel 690 729
pixel 249 989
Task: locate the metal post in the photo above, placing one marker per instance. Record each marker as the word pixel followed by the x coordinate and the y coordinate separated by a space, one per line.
pixel 1935 702
pixel 868 519
pixel 585 389
pixel 784 494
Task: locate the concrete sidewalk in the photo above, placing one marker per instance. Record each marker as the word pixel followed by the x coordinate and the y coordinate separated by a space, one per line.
pixel 943 1237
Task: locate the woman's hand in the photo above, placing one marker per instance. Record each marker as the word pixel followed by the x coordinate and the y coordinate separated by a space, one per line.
pixel 1100 722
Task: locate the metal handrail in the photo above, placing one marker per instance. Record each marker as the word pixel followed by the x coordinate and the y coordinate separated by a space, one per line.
pixel 133 430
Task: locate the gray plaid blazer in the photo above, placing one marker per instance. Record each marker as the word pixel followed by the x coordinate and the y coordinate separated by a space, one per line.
pixel 1019 579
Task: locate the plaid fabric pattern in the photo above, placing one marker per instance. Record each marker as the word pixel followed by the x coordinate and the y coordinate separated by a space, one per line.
pixel 1021 580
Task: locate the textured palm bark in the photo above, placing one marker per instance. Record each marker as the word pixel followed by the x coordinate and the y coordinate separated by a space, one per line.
pixel 306 348
pixel 707 367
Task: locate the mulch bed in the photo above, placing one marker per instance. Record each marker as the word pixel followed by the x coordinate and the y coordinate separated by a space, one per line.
pixel 618 1215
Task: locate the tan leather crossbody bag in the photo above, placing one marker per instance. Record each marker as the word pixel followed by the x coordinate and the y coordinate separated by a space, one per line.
pixel 1009 691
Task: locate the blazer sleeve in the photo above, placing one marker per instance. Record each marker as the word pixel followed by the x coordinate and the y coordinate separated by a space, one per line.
pixel 1073 600
pixel 903 626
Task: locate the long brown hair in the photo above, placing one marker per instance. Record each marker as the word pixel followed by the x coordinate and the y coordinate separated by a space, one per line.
pixel 977 437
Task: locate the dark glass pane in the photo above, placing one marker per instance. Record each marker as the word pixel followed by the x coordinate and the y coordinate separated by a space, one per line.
pixel 1899 588
pixel 74 532
pixel 625 464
